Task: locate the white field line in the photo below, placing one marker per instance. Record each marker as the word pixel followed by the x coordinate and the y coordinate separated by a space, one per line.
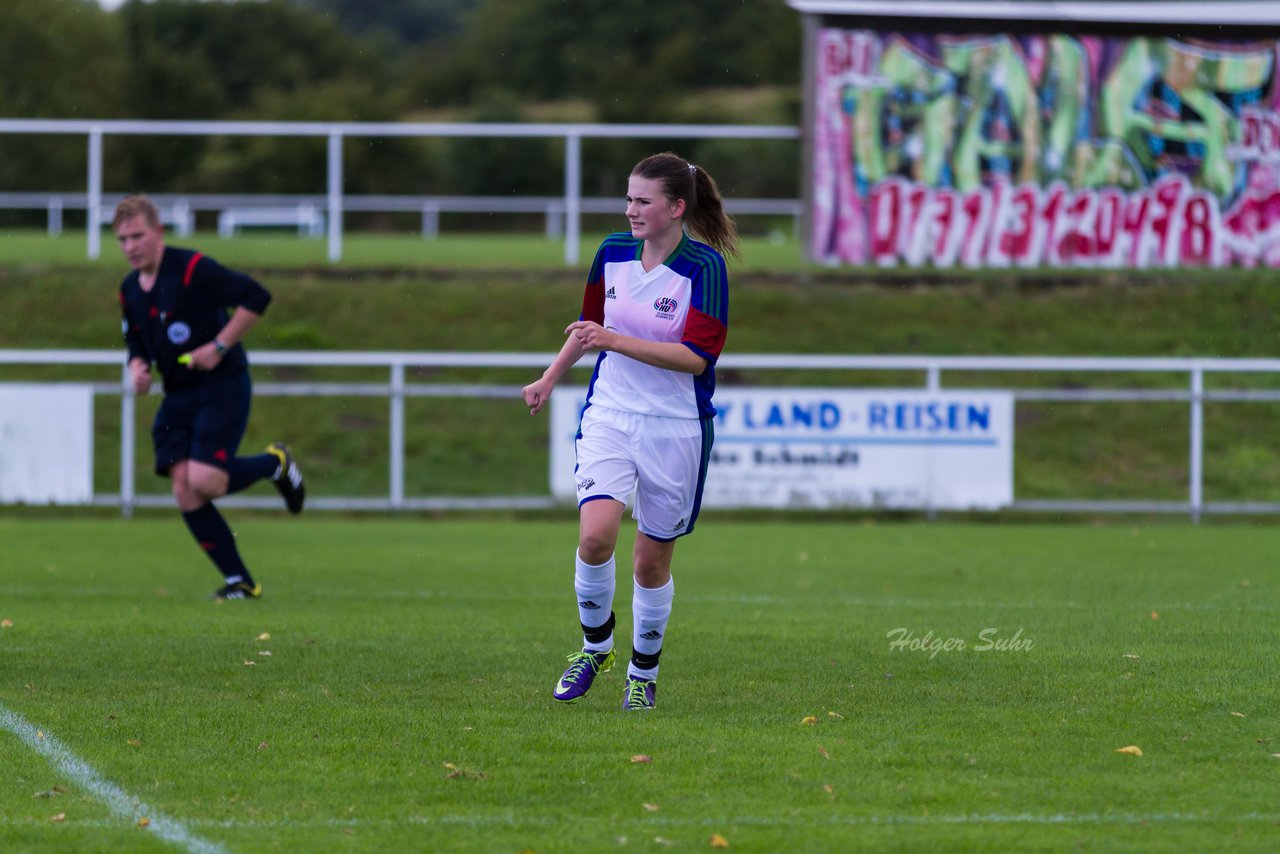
pixel 120 802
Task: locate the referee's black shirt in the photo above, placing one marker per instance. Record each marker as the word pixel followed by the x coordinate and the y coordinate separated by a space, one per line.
pixel 185 309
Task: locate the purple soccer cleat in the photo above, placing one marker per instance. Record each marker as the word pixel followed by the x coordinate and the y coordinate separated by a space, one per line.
pixel 583 669
pixel 639 694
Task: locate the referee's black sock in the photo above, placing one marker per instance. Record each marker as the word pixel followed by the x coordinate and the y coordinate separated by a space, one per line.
pixel 243 472
pixel 214 536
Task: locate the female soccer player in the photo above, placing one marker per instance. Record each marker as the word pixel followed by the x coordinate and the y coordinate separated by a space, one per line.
pixel 657 309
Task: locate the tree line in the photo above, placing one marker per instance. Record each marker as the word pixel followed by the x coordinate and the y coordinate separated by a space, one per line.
pixel 715 61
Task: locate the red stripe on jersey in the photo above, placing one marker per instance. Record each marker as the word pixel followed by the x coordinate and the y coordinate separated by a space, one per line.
pixel 191 269
pixel 593 303
pixel 704 332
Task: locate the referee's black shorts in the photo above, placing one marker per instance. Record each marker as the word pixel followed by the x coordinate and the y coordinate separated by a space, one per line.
pixel 204 423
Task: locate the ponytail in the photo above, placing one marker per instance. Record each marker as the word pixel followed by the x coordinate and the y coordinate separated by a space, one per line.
pixel 705 215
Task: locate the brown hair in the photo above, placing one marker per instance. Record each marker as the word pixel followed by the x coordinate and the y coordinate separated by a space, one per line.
pixel 704 216
pixel 136 205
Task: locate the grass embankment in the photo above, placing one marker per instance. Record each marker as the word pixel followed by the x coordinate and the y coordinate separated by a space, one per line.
pixel 471 293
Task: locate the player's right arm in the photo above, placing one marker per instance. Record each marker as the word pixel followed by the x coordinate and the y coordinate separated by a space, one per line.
pixel 139 360
pixel 140 374
pixel 536 394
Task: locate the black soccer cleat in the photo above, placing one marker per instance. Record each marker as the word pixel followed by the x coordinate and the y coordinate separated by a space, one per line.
pixel 288 478
pixel 239 590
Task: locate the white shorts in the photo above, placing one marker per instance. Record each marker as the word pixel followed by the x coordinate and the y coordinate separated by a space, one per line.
pixel 660 463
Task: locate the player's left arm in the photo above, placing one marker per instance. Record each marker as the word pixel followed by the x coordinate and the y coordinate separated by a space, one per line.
pixel 705 327
pixel 225 286
pixel 207 356
pixel 669 355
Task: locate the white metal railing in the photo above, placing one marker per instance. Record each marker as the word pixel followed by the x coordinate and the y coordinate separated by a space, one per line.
pixel 396 390
pixel 336 132
pixel 179 209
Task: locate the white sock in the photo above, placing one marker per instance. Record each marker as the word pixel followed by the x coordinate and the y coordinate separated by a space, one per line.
pixel 650 608
pixel 594 586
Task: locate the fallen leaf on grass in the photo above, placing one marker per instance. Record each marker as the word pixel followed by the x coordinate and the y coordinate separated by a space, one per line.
pixel 144 822
pixel 263 745
pixel 650 807
pixel 465 773
pixel 1132 750
pixel 40 734
pixel 826 787
pixel 135 742
pixel 1238 715
pixel 1155 615
pixel 835 715
pixel 1131 655
pixel 59 817
pixel 641 759
pixel 264 652
pixel 822 751
pixel 6 623
pixel 250 663
pixel 808 720
pixel 662 840
pixel 51 793
pixel 1275 756
pixel 718 841
pixel 265 636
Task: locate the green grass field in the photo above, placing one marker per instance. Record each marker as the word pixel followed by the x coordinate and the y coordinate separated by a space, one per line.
pixel 405 703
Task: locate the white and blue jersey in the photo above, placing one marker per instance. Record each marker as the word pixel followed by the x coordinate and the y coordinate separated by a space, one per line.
pixel 685 299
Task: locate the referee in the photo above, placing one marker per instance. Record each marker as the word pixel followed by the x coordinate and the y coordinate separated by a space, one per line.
pixel 175 304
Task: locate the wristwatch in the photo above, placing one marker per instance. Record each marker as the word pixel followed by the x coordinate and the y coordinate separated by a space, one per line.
pixel 219 347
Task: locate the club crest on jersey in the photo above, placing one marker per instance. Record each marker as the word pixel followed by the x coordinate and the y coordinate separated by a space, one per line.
pixel 179 333
pixel 665 306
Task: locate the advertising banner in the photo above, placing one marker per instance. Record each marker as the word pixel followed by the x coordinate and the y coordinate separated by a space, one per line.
pixel 833 448
pixel 1044 150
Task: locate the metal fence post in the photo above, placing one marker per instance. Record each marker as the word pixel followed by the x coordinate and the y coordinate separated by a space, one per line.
pixel 1196 474
pixel 335 196
pixel 95 193
pixel 430 220
pixel 397 435
pixel 127 422
pixel 933 382
pixel 572 196
pixel 55 216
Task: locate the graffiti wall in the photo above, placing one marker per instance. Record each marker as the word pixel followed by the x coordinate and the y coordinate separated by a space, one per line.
pixel 997 150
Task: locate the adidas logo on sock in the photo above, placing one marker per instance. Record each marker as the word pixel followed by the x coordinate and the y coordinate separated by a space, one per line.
pixel 589 605
pixel 652 635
